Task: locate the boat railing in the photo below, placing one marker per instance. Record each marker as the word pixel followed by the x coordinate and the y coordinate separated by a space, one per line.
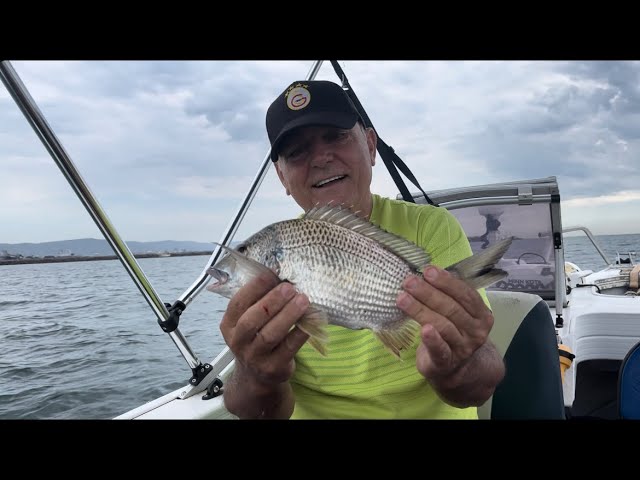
pixel 630 258
pixel 590 236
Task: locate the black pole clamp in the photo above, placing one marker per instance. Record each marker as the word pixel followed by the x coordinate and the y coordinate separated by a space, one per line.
pixel 214 389
pixel 199 373
pixel 171 323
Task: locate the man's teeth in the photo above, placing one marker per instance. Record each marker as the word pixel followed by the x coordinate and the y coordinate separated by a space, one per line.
pixel 324 182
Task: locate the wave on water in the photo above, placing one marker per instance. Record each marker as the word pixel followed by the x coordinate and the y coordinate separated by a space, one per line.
pixel 13 303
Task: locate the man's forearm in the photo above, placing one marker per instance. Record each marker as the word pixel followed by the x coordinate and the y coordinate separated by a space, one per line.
pixel 248 399
pixel 474 383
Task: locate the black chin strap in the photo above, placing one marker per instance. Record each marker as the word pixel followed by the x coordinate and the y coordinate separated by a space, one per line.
pixel 388 155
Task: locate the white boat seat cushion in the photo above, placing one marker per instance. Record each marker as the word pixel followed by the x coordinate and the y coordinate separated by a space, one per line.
pixel 524 334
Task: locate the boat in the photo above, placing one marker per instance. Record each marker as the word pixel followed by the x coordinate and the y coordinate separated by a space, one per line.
pixel 601 327
pixel 564 332
pixel 596 315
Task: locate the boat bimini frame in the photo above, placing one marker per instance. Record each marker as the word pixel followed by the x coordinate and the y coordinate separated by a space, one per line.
pixel 204 376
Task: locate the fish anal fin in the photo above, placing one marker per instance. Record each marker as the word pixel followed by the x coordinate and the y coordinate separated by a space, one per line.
pixel 313 323
pixel 400 338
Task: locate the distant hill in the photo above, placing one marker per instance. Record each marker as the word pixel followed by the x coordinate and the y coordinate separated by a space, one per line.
pixel 92 246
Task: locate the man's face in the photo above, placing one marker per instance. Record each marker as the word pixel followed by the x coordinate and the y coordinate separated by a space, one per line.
pixel 319 164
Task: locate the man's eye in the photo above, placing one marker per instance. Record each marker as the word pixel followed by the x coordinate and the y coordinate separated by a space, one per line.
pixel 337 136
pixel 295 154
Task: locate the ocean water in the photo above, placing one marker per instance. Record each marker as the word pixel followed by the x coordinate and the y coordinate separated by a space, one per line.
pixel 78 341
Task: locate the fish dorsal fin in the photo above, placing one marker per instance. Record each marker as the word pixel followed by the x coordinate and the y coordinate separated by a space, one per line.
pixel 344 217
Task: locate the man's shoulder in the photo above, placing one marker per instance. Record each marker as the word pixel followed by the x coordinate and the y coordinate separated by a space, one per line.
pixel 410 208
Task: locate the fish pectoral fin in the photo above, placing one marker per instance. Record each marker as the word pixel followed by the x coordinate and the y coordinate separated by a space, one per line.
pixel 399 338
pixel 313 323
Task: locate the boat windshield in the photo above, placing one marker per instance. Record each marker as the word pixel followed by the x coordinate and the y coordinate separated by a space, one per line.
pixel 530 261
pixel 528 211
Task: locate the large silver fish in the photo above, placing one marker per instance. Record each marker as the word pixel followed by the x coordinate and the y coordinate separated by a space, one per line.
pixel 350 269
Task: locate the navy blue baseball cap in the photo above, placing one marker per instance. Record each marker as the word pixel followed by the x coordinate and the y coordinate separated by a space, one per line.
pixel 309 102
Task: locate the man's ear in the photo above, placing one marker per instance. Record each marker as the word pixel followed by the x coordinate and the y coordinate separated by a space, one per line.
pixel 282 179
pixel 372 143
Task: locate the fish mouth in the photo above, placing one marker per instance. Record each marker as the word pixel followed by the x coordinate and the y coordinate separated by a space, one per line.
pixel 220 276
pixel 326 181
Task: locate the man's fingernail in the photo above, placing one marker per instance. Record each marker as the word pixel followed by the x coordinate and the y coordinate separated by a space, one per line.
pixel 302 301
pixel 426 331
pixel 403 300
pixel 411 283
pixel 287 290
pixel 431 273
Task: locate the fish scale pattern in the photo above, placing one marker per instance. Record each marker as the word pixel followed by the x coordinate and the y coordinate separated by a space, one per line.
pixel 352 277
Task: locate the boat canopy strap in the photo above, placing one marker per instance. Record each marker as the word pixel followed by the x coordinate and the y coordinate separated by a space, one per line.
pixel 392 161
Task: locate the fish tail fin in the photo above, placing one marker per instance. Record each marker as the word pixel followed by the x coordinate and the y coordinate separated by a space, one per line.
pixel 313 323
pixel 479 269
pixel 400 338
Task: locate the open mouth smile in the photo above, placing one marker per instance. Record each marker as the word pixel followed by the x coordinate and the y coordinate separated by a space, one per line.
pixel 327 181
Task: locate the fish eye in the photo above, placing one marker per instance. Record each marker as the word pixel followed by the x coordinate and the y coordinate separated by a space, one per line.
pixel 241 248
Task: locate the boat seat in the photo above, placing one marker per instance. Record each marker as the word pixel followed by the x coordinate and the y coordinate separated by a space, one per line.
pixel 524 333
pixel 629 385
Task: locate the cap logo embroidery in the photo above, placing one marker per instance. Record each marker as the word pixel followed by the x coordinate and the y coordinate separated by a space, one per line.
pixel 298 97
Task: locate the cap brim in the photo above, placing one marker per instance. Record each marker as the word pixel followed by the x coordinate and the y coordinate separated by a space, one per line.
pixel 333 119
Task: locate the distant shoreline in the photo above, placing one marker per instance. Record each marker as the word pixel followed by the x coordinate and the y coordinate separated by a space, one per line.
pixel 81 258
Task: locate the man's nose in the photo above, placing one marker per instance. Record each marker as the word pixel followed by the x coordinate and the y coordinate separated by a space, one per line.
pixel 321 153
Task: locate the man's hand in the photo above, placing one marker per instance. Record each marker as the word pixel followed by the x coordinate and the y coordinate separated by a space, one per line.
pixel 258 327
pixel 455 355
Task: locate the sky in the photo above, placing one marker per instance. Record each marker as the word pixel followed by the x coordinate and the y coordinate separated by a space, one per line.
pixel 170 148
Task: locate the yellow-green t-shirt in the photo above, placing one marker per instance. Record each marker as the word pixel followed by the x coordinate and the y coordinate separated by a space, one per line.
pixel 359 378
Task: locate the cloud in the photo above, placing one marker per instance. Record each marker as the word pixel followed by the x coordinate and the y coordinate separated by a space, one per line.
pixel 228 188
pixel 153 139
pixel 618 197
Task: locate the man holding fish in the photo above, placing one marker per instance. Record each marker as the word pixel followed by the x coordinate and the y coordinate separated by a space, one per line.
pixel 339 314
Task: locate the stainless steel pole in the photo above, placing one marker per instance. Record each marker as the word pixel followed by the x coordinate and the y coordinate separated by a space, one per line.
pixel 35 117
pixel 201 281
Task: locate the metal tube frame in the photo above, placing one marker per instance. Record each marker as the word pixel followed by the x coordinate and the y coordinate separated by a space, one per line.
pixel 588 233
pixel 36 119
